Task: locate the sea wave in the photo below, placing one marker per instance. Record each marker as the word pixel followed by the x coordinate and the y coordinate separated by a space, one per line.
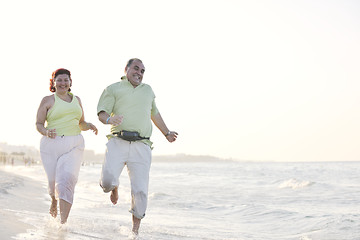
pixel 295 184
pixel 8 182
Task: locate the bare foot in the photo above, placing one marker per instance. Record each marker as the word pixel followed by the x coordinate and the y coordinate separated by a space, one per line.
pixel 136 225
pixel 64 210
pixel 114 195
pixel 53 208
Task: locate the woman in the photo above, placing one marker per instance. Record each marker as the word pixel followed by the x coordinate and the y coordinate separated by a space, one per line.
pixel 62 145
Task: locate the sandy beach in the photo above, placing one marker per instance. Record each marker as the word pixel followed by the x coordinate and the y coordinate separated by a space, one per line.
pixel 18 194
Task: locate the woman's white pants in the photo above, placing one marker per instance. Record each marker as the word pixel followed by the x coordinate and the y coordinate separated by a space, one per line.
pixel 61 158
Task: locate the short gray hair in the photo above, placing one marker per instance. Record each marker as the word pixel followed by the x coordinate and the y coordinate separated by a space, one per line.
pixel 131 61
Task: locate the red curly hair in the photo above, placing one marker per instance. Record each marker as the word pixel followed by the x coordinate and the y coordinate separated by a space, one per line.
pixel 55 74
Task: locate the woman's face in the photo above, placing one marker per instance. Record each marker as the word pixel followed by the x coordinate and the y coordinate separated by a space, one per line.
pixel 62 83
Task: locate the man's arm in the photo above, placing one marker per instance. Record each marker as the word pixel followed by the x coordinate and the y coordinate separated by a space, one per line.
pixel 105 118
pixel 160 124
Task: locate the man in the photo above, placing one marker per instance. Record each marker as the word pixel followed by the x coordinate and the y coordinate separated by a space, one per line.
pixel 129 106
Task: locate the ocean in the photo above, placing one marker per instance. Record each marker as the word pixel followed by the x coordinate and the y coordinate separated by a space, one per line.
pixel 205 200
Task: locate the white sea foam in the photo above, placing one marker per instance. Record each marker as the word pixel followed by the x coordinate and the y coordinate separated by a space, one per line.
pixel 305 238
pixel 295 184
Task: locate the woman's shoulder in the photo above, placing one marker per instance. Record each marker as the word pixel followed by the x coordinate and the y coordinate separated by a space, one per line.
pixel 78 98
pixel 48 100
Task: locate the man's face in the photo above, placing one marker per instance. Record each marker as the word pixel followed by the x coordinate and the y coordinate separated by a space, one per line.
pixel 135 73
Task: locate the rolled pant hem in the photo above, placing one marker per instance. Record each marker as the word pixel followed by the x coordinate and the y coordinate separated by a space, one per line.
pixel 66 200
pixel 136 215
pixel 106 190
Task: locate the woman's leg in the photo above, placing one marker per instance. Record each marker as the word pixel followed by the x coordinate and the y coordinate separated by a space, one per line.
pixel 53 207
pixel 49 160
pixel 67 172
pixel 64 210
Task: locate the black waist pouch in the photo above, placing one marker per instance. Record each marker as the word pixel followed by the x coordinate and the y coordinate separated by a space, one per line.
pixel 129 136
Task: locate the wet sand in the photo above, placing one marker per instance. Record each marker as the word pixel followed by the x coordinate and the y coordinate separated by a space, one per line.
pixel 18 194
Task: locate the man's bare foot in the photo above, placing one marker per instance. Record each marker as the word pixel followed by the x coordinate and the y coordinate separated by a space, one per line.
pixel 114 195
pixel 53 208
pixel 136 225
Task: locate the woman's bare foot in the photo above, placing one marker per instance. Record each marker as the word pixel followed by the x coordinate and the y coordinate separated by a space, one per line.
pixel 53 207
pixel 114 195
pixel 64 210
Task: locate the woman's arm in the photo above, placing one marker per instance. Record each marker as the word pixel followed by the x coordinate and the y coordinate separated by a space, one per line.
pixel 84 126
pixel 45 105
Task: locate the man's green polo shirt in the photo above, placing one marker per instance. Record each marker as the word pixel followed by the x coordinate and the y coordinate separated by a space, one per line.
pixel 136 105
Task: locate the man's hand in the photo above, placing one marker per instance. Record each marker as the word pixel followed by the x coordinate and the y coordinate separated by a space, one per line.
pixel 171 136
pixel 115 120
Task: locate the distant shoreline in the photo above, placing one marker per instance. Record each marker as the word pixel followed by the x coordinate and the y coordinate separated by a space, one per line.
pixel 28 155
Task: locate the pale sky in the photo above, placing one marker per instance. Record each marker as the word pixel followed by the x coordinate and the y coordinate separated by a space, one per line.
pixel 249 80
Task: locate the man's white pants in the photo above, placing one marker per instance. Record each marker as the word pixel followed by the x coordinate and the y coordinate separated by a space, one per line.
pixel 137 157
pixel 61 158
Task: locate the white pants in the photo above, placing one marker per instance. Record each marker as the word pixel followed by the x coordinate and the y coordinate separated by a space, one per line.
pixel 61 158
pixel 137 157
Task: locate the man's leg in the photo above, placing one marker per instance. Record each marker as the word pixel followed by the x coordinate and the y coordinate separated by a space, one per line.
pixel 136 224
pixel 138 170
pixel 114 162
pixel 114 195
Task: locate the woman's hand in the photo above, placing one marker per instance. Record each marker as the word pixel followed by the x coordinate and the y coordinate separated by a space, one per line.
pixel 51 133
pixel 84 126
pixel 92 127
